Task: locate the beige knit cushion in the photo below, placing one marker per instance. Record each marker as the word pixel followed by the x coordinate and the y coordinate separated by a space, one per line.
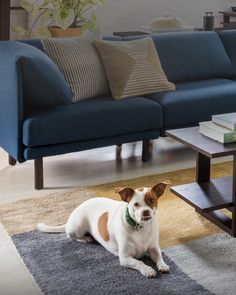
pixel 133 67
pixel 80 63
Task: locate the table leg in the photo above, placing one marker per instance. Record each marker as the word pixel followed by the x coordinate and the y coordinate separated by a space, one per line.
pixel 203 168
pixel 234 198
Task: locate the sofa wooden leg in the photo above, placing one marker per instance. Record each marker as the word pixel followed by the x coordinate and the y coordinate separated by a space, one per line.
pixel 146 151
pixel 38 173
pixel 118 152
pixel 11 161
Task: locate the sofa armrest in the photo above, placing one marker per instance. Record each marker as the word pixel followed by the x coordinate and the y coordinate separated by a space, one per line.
pixel 30 80
pixel 11 101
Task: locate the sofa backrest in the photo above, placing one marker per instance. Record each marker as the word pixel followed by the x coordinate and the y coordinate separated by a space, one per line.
pixel 34 42
pixel 38 44
pixel 228 39
pixel 44 86
pixel 185 56
pixel 192 56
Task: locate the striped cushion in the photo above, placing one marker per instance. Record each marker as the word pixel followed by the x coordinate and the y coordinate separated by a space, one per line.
pixel 79 62
pixel 133 67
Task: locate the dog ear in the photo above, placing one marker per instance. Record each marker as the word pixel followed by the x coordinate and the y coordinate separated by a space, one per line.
pixel 125 193
pixel 159 188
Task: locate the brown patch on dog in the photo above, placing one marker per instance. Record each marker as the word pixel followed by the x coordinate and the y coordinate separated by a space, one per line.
pixel 150 199
pixel 102 227
pixel 125 193
pixel 141 189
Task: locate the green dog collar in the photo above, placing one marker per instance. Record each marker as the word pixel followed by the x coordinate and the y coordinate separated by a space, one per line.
pixel 131 221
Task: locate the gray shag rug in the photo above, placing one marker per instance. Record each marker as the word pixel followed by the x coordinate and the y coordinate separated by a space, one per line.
pixel 211 262
pixel 62 267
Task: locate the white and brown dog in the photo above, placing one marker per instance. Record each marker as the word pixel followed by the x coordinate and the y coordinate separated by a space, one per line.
pixel 127 229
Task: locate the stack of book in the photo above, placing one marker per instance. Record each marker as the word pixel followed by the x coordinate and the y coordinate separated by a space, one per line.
pixel 222 128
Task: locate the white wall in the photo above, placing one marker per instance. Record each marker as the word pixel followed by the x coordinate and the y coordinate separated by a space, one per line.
pixel 123 15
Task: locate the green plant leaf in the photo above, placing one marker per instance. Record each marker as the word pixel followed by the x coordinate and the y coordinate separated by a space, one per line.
pixel 43 31
pixel 67 4
pixel 91 24
pixel 63 13
pixel 64 18
pixel 27 6
pixel 20 33
pixel 34 13
pixel 46 2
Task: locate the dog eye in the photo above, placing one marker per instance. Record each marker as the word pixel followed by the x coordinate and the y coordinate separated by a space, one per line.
pixel 136 204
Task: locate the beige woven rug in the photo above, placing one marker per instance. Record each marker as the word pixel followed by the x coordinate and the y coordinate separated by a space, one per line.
pixel 178 221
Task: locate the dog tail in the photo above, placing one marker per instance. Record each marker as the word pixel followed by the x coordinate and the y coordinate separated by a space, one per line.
pixel 51 228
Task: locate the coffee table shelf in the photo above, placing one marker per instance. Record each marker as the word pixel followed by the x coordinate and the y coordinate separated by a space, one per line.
pixel 219 219
pixel 207 196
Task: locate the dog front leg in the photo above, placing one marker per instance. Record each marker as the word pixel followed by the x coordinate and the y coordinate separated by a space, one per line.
pixel 131 262
pixel 156 256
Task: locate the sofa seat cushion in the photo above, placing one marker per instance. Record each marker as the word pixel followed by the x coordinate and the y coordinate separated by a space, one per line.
pixel 196 101
pixel 91 119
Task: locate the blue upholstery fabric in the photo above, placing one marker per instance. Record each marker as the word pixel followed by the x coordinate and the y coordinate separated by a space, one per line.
pixel 112 38
pixel 44 85
pixel 34 42
pixel 52 150
pixel 196 101
pixel 184 56
pixel 38 44
pixel 91 119
pixel 11 102
pixel 192 56
pixel 229 40
pixel 130 38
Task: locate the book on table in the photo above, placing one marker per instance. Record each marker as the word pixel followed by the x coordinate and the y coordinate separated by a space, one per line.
pixel 226 120
pixel 217 132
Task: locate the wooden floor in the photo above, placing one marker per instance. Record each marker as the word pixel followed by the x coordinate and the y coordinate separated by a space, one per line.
pixel 69 171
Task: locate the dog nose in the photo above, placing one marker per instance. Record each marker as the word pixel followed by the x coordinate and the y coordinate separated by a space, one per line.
pixel 146 213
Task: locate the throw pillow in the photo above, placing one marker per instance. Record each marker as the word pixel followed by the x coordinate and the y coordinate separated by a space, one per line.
pixel 133 67
pixel 79 62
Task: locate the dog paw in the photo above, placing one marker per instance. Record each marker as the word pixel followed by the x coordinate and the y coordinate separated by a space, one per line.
pixel 86 239
pixel 149 272
pixel 163 267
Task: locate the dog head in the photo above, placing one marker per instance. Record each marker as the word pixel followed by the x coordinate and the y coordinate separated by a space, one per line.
pixel 142 202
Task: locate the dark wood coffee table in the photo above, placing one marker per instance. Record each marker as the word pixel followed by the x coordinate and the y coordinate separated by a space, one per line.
pixel 208 195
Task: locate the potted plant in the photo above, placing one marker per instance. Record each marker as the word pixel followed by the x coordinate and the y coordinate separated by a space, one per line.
pixel 63 18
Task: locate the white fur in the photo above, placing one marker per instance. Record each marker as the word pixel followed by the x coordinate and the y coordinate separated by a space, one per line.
pixel 50 228
pixel 125 241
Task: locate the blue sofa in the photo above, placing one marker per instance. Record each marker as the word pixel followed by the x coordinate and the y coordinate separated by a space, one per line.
pixel 38 120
